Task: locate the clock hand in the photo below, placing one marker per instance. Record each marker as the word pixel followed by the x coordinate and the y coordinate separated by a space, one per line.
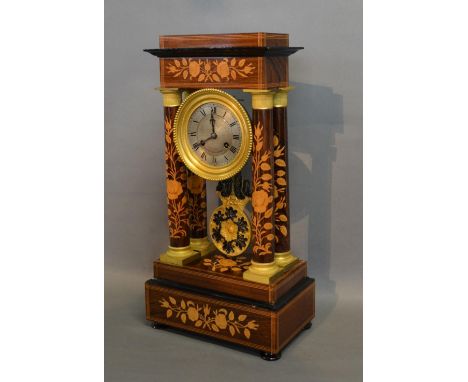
pixel 212 120
pixel 213 133
pixel 203 141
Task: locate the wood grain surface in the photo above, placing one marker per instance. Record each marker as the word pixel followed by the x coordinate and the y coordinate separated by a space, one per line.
pixel 199 276
pixel 224 40
pixel 239 323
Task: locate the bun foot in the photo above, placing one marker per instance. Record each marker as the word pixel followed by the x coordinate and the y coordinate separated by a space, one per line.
pixel 270 356
pixel 308 326
pixel 157 325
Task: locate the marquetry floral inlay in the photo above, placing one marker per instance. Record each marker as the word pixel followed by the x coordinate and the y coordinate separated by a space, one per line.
pixel 206 317
pixel 197 203
pixel 195 184
pixel 219 263
pixel 262 198
pixel 176 174
pixel 280 189
pixel 205 70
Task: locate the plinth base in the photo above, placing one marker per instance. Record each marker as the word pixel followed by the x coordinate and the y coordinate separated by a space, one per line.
pixel 210 273
pixel 261 326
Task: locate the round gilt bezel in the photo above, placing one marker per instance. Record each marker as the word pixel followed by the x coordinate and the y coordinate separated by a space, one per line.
pixel 193 162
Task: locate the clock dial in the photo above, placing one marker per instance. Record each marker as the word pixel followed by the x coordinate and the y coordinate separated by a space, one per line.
pixel 214 134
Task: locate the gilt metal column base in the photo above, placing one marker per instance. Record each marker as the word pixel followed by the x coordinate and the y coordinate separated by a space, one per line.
pixel 262 273
pixel 284 259
pixel 179 255
pixel 202 245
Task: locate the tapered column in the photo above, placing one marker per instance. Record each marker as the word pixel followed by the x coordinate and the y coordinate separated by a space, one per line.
pixel 198 215
pixel 179 251
pixel 263 266
pixel 283 255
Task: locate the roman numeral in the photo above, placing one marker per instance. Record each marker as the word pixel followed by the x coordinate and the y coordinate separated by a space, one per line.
pixel 196 146
pixel 203 156
pixel 235 136
pixel 214 160
pixel 232 123
pixel 227 159
pixel 213 109
pixel 193 133
pixel 233 149
pixel 203 112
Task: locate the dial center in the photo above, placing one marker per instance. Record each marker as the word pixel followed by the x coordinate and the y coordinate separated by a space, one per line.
pixel 214 134
pixel 217 142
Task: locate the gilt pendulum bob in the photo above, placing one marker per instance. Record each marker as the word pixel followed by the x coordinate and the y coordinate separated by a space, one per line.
pixel 229 224
pixel 228 274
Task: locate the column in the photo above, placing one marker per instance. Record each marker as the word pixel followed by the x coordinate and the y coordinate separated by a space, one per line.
pixel 263 266
pixel 179 251
pixel 197 207
pixel 283 255
pixel 198 215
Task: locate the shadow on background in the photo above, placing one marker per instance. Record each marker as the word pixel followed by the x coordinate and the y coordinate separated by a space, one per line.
pixel 315 115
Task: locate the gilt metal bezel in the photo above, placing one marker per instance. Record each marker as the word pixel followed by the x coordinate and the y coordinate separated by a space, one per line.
pixel 193 162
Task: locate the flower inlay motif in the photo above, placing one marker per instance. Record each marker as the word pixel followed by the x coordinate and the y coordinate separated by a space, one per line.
pixel 177 211
pixel 205 317
pixel 204 70
pixel 262 197
pixel 219 263
pixel 197 203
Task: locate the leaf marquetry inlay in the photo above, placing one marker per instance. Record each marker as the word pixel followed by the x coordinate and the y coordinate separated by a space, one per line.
pixel 206 317
pixel 262 198
pixel 176 174
pixel 280 190
pixel 205 70
pixel 197 203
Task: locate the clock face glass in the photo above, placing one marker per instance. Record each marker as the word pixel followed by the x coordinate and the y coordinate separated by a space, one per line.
pixel 214 134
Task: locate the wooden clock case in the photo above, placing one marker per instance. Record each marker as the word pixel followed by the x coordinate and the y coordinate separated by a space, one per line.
pixel 264 299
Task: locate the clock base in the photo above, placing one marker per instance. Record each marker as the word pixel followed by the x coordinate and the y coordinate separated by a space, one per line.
pixel 212 277
pixel 266 328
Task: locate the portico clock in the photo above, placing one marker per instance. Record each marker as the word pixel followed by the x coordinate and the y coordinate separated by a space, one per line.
pixel 212 133
pixel 229 271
